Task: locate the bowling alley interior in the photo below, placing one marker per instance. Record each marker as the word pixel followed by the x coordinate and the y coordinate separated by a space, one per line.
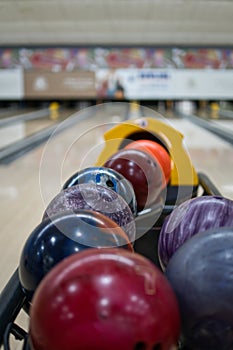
pixel 116 163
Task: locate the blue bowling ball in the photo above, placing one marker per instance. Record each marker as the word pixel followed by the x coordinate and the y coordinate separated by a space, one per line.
pixel 64 235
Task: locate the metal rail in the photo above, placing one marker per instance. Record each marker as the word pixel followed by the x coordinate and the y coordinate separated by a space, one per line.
pixel 12 299
pixel 207 185
pixel 226 113
pixel 26 116
pixel 210 126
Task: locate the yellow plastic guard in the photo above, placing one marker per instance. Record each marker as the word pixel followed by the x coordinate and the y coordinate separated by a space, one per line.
pixel 183 172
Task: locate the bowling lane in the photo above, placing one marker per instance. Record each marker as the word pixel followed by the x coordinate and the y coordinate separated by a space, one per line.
pixel 21 129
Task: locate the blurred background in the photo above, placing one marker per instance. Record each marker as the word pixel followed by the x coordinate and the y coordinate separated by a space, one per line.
pixel 150 50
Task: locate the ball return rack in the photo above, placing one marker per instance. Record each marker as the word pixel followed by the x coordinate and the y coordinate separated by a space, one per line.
pixel 12 297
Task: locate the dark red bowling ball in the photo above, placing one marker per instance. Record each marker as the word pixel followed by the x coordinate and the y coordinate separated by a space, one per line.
pixel 67 234
pixel 97 198
pixel 158 151
pixel 142 170
pixel 104 299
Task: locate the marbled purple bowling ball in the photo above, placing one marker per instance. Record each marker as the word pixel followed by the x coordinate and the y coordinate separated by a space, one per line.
pixel 189 218
pixel 97 198
pixel 105 177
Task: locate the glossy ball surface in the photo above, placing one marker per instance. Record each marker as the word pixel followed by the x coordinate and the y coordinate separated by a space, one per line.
pixel 67 234
pixel 108 178
pixel 158 151
pixel 104 299
pixel 189 218
pixel 97 198
pixel 142 170
pixel 201 275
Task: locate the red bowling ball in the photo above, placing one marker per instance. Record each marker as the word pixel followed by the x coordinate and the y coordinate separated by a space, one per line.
pixel 158 151
pixel 104 299
pixel 142 170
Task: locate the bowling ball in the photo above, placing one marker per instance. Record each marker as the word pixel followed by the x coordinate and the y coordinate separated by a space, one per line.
pixel 104 299
pixel 192 216
pixel 201 275
pixel 52 241
pixel 158 151
pixel 142 170
pixel 94 197
pixel 108 178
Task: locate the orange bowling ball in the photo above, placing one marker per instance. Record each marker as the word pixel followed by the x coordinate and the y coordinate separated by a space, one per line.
pixel 158 152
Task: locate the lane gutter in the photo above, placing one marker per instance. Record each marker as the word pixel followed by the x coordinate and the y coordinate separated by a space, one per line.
pixel 25 116
pixel 19 148
pixel 210 126
pixel 226 113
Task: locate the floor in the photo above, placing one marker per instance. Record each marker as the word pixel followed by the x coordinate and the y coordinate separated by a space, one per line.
pixel 29 183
